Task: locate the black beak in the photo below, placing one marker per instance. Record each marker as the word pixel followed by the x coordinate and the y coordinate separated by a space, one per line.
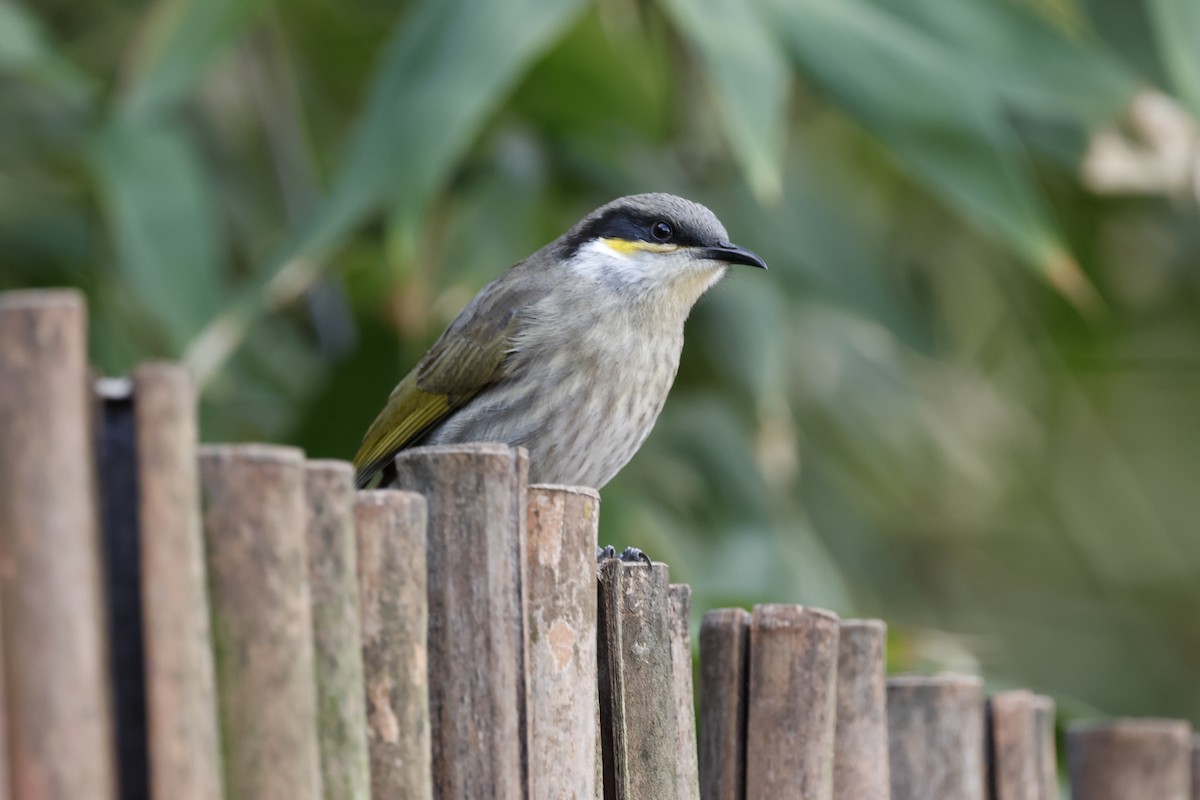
pixel 732 254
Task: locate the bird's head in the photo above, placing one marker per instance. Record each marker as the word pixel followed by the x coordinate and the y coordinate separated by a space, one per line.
pixel 653 243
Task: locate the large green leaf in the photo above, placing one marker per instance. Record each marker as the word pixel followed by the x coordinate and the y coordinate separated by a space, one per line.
pixel 21 39
pixel 168 240
pixel 598 89
pixel 1127 30
pixel 1032 65
pixel 25 50
pixel 445 70
pixel 750 76
pixel 179 40
pixel 1177 27
pixel 938 118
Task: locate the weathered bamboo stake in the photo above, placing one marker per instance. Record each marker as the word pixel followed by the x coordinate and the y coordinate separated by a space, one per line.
pixel 1130 758
pixel 792 703
pixel 935 737
pixel 253 497
pixel 56 693
pixel 860 759
pixel 4 771
pixel 392 580
pixel 117 484
pixel 687 772
pixel 1043 711
pixel 1014 754
pixel 476 496
pixel 724 650
pixel 181 703
pixel 598 726
pixel 636 702
pixel 561 624
pixel 337 641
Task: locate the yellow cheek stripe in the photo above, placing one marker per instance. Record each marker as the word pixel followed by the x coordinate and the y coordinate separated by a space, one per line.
pixel 628 247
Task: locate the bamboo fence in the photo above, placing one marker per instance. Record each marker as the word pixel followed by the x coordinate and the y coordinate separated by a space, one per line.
pixel 192 622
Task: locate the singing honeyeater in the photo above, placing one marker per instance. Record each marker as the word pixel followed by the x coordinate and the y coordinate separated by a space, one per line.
pixel 571 352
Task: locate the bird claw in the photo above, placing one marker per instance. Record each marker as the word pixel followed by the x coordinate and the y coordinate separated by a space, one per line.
pixel 630 555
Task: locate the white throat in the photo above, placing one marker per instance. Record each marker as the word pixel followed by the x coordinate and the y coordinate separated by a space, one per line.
pixel 674 277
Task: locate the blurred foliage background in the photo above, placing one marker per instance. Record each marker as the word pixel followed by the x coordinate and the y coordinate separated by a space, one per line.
pixel 966 397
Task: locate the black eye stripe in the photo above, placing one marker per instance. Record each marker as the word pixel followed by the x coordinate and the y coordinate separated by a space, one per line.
pixel 635 228
pixel 630 226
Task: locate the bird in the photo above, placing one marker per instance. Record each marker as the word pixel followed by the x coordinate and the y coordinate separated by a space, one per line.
pixel 569 353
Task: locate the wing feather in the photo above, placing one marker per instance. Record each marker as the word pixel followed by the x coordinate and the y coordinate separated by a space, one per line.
pixel 473 353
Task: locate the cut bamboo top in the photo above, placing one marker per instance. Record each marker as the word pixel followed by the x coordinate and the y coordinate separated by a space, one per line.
pixel 32 299
pixel 783 615
pixel 585 491
pixel 1140 726
pixel 479 448
pixel 947 679
pixel 262 453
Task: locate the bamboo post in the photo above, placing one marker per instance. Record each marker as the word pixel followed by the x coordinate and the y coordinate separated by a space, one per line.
pixel 1014 757
pixel 792 703
pixel 687 772
pixel 181 704
pixel 724 652
pixel 337 641
pixel 476 497
pixel 253 499
pixel 4 771
pixel 935 737
pixel 599 724
pixel 1130 758
pixel 1043 711
pixel 392 579
pixel 636 703
pixel 561 623
pixel 117 479
pixel 55 683
pixel 860 759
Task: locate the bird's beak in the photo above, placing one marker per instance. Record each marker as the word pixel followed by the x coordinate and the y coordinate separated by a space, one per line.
pixel 732 254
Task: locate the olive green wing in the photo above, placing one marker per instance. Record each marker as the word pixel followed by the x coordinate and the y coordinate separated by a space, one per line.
pixel 472 354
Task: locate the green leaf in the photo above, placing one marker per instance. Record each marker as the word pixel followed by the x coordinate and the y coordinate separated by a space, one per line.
pixel 749 74
pixel 21 40
pixel 447 67
pixel 179 41
pixel 937 118
pixel 1177 27
pixel 24 50
pixel 1125 28
pixel 167 238
pixel 1031 64
pixel 599 89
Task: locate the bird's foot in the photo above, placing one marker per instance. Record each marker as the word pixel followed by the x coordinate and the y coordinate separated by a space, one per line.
pixel 630 555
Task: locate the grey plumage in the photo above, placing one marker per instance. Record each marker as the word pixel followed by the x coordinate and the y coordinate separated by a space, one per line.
pixel 571 352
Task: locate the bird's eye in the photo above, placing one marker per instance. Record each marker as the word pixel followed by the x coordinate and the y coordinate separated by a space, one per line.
pixel 661 231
